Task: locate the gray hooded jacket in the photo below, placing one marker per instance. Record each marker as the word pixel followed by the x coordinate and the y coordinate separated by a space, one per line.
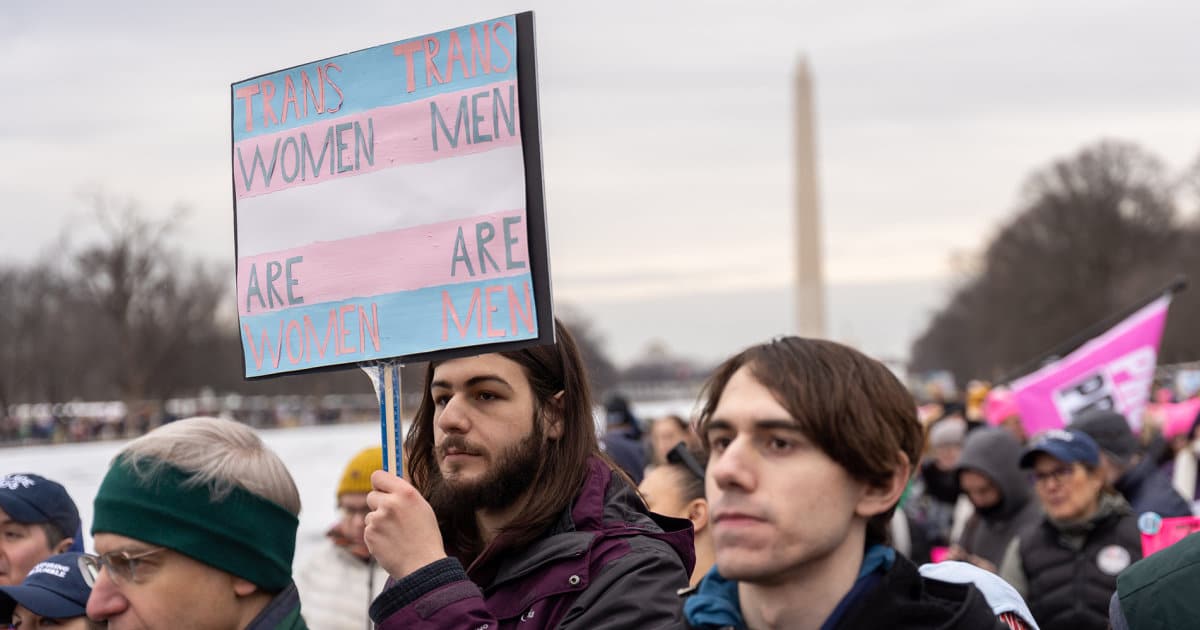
pixel 995 454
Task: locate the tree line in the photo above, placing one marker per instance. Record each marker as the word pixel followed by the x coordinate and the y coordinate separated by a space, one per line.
pixel 127 316
pixel 1091 236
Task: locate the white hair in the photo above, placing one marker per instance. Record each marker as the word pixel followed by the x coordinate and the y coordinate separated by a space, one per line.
pixel 220 454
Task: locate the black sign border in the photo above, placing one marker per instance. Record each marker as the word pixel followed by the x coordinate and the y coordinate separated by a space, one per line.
pixel 535 213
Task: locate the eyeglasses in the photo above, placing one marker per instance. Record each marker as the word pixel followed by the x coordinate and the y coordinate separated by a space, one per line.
pixel 679 454
pixel 1060 475
pixel 122 565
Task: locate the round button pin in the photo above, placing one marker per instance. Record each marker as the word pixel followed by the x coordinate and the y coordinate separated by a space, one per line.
pixel 1149 523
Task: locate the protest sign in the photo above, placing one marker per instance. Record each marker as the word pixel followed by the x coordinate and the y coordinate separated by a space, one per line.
pixel 1113 371
pixel 388 203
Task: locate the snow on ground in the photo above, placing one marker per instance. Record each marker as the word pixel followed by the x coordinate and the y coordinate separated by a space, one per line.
pixel 314 455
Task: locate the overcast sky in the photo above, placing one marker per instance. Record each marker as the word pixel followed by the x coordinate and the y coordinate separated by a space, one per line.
pixel 666 134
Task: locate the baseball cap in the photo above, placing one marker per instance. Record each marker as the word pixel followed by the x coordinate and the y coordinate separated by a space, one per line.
pixel 1067 445
pixel 54 588
pixel 29 498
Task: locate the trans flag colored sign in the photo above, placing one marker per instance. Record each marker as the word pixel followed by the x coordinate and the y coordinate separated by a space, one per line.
pixel 388 203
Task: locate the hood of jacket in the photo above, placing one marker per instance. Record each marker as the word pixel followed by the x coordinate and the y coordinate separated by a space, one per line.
pixel 995 454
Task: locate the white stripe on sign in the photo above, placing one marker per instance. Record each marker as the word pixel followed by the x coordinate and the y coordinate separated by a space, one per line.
pixel 389 199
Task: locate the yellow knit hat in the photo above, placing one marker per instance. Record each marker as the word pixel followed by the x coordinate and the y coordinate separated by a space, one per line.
pixel 357 477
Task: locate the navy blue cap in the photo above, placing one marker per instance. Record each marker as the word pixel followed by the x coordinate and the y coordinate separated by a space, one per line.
pixel 1069 445
pixel 29 498
pixel 54 588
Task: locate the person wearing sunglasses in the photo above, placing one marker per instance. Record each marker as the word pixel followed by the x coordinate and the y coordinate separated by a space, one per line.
pixel 676 488
pixel 195 521
pixel 1066 564
pixel 53 595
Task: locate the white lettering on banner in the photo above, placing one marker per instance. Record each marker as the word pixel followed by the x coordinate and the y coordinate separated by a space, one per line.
pixel 14 482
pixel 1133 374
pixel 51 568
pixel 1122 385
pixel 1090 393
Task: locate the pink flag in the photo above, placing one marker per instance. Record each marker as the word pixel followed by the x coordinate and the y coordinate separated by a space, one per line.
pixel 1177 418
pixel 1113 371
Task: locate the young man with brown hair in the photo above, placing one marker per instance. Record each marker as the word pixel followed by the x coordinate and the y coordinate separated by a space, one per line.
pixel 810 445
pixel 507 480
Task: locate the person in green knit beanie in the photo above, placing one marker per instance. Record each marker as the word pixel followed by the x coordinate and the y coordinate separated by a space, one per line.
pixel 195 526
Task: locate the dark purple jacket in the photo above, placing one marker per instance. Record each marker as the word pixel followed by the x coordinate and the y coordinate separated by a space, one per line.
pixel 608 563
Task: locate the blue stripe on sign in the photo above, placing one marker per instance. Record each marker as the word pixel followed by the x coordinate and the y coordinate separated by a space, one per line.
pixel 382 415
pixel 399 422
pixel 390 325
pixel 376 77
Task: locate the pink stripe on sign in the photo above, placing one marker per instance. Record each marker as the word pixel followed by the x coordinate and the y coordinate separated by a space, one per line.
pixel 445 126
pixel 463 250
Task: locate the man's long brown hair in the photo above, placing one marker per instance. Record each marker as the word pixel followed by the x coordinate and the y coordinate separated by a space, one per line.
pixel 551 369
pixel 850 405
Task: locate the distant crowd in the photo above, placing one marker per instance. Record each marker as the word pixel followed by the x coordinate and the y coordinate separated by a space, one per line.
pixel 87 422
pixel 808 493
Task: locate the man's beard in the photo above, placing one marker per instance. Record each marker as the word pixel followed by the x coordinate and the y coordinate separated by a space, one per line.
pixel 511 474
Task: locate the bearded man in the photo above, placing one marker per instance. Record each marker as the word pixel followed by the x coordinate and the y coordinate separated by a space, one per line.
pixel 508 481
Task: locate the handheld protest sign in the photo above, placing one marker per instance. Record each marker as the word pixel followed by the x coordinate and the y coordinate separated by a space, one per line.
pixel 388 204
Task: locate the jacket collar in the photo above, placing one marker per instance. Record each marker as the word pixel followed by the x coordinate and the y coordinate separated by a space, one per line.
pixel 282 613
pixel 605 507
pixel 715 603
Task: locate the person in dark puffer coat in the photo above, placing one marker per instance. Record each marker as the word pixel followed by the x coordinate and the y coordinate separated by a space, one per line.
pixel 1066 565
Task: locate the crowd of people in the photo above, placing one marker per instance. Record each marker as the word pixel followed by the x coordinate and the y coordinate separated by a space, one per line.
pixel 808 493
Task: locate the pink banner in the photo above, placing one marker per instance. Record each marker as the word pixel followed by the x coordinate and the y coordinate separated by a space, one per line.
pixel 1175 418
pixel 1113 371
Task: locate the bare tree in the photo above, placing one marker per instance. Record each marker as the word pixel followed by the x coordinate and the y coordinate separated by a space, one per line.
pixel 1094 234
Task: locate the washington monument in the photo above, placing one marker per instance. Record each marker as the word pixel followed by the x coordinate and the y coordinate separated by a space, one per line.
pixel 810 281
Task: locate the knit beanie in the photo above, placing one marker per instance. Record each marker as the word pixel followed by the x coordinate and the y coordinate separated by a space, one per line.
pixel 357 477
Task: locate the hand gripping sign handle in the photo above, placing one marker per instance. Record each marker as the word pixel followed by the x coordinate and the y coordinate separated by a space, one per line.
pixel 385 377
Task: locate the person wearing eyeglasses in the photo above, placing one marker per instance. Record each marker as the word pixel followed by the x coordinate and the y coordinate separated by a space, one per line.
pixel 53 595
pixel 339 581
pixel 195 526
pixel 676 488
pixel 1066 565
